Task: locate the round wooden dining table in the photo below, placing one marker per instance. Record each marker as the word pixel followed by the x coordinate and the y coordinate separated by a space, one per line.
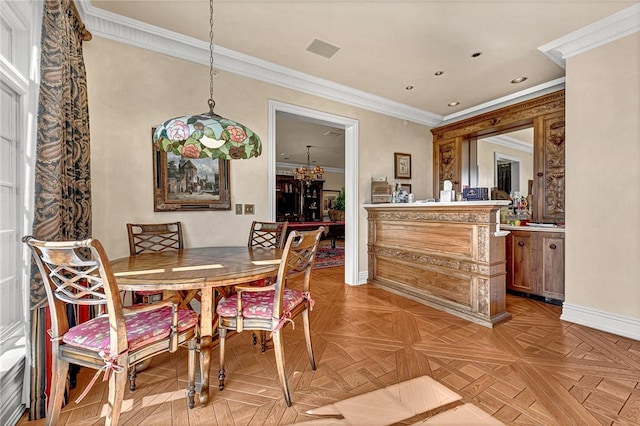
pixel 207 271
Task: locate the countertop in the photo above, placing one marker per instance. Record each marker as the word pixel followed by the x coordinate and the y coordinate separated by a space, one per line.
pixel 531 228
pixel 440 204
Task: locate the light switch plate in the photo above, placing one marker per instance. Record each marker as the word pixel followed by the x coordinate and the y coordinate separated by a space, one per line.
pixel 248 209
pixel 238 208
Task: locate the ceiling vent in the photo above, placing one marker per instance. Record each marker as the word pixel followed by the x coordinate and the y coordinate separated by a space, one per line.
pixel 332 134
pixel 322 48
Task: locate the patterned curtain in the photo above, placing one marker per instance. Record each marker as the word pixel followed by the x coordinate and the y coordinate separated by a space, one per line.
pixel 62 209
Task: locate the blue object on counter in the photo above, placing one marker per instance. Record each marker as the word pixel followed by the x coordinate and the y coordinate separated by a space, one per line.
pixel 475 193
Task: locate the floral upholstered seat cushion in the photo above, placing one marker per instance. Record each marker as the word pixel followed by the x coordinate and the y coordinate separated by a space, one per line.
pixel 142 328
pixel 259 304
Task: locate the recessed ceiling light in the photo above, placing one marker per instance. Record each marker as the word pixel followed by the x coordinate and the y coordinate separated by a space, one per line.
pixel 409 88
pixel 475 55
pixel 437 73
pixel 518 80
pixel 452 104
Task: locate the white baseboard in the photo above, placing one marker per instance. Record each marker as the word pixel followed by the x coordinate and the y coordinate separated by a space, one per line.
pixel 601 320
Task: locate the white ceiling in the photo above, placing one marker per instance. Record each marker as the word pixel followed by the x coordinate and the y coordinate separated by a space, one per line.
pixel 387 45
pixel 294 134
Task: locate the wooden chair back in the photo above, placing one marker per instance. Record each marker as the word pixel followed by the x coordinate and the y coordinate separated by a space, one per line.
pixel 262 309
pixel 268 234
pixel 154 237
pixel 297 260
pixel 79 272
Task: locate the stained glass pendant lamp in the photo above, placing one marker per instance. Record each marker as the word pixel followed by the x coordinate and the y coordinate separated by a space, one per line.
pixel 207 135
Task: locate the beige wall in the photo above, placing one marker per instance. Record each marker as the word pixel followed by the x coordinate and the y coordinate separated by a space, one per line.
pixel 333 181
pixel 603 174
pixel 132 89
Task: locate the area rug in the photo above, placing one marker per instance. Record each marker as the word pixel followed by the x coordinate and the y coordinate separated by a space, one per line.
pixel 326 257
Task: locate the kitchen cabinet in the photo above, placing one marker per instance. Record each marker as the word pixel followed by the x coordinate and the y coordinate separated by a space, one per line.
pixel 548 164
pixel 535 263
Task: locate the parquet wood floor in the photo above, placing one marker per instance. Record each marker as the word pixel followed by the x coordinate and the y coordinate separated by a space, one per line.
pixel 531 370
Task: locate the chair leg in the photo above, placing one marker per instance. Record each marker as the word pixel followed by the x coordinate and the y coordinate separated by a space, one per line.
pixel 279 352
pixel 262 338
pixel 59 372
pixel 117 384
pixel 222 334
pixel 132 378
pixel 307 337
pixel 191 374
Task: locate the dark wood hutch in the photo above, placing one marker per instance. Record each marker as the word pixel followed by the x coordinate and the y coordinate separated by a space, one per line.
pixel 298 201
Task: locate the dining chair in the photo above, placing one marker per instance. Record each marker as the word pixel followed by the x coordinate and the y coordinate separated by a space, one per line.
pixel 270 235
pixel 118 338
pixel 272 307
pixel 151 238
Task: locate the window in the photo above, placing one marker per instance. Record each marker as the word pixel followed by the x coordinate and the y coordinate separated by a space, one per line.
pixel 19 61
pixel 11 316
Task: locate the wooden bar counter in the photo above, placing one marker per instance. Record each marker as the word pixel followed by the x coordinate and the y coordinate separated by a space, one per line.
pixel 450 256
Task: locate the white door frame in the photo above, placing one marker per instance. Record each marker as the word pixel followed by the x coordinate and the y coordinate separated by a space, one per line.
pixel 350 127
pixel 515 174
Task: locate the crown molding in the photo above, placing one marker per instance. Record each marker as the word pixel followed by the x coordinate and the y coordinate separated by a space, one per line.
pixel 129 31
pixel 514 98
pixel 510 142
pixel 606 30
pixel 139 34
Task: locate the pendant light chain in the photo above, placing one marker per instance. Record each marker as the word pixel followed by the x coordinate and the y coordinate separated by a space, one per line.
pixel 206 134
pixel 212 103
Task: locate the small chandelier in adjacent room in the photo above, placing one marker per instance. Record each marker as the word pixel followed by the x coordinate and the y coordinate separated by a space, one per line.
pixel 207 135
pixel 308 174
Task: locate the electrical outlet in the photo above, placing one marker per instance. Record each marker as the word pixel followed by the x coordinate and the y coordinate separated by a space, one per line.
pixel 238 208
pixel 248 209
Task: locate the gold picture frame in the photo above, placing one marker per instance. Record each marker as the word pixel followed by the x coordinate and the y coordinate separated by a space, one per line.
pixel 188 184
pixel 402 165
pixel 329 197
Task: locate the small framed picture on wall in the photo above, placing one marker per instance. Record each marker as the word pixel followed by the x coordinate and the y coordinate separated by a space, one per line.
pixel 402 165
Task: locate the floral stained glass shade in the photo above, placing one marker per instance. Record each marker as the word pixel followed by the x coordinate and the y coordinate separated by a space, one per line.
pixel 207 135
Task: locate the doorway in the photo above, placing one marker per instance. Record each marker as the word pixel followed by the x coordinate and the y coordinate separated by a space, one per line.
pixel 507 172
pixel 350 126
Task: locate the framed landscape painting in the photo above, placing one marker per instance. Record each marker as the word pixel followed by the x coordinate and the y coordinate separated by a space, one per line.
pixel 182 184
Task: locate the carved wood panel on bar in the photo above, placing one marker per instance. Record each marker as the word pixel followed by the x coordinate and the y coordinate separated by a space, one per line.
pixel 446 255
